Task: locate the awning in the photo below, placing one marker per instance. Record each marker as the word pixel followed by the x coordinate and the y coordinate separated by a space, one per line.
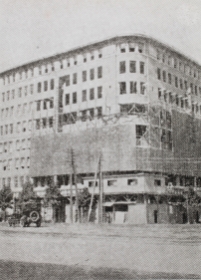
pixel 108 204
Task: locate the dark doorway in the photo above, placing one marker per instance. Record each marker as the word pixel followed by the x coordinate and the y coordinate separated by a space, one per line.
pixel 59 213
pixel 184 218
pixel 155 216
pixel 197 217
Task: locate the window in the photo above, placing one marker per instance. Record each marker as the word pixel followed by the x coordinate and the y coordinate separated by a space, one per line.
pixel 132 182
pixel 140 134
pixel 100 72
pixel 23 144
pixel 133 87
pixel 74 97
pixel 1 130
pixel 177 100
pixel 122 87
pixel 45 86
pixel 176 82
pixel 85 59
pixel 45 104
pixel 28 162
pixel 164 76
pixel 16 182
pixel 31 89
pixel 44 122
pixel 100 92
pixel 51 122
pixel 92 183
pixel 132 66
pixel 19 92
pixel 39 87
pixel 24 108
pixel 84 95
pixel 67 101
pixel 38 124
pixel 131 49
pixel 91 113
pixel 38 106
pixel 157 183
pixel 169 78
pixel 68 80
pixel 140 48
pixel 122 67
pixel 142 88
pixel 91 94
pixel 6 129
pixel 158 73
pixel 18 127
pixel 24 126
pixel 8 95
pixel 13 94
pixel 196 90
pixel 3 96
pixel 5 147
pixel 175 63
pixel 75 78
pixel 191 86
pixel 25 90
pixel 141 67
pixel 11 128
pixel 91 74
pixel 112 183
pixel 158 54
pixel 186 85
pixel 99 112
pixel 180 66
pixel 181 83
pixel 22 166
pixel 123 50
pixel 52 84
pixel 100 55
pixel 51 103
pixel 163 58
pixel 169 60
pixel 84 76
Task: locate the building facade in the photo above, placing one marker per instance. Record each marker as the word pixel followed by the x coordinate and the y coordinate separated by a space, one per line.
pixel 132 101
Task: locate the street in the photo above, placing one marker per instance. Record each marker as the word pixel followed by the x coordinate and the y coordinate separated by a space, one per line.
pixel 92 251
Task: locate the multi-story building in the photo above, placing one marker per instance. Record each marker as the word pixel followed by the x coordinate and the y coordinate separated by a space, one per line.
pixel 130 104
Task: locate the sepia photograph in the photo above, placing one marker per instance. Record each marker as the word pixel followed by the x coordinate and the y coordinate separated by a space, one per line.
pixel 100 139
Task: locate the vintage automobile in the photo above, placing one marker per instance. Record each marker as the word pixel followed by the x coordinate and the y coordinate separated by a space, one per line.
pixel 29 212
pixel 14 219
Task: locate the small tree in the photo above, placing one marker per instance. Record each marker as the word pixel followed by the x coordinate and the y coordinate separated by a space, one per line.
pixel 27 193
pixel 52 195
pixel 84 199
pixel 6 196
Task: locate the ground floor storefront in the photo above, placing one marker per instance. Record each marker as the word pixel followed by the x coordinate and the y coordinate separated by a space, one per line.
pixel 126 209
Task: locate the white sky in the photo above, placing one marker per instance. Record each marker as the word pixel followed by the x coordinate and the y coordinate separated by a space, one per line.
pixel 32 29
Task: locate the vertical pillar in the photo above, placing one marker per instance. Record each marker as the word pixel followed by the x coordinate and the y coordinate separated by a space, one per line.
pixel 177 180
pixel 55 179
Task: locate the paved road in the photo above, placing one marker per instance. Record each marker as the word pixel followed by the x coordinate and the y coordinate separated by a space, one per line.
pixel 101 252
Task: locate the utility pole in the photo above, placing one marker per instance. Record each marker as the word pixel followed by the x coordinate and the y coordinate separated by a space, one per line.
pixel 100 193
pixel 71 199
pixel 75 182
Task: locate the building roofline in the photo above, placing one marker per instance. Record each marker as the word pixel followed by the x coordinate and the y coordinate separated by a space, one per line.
pixel 99 44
